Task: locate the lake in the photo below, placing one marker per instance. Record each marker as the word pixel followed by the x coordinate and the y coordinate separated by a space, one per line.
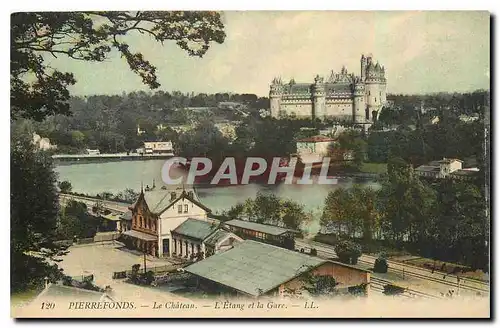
pixel 115 177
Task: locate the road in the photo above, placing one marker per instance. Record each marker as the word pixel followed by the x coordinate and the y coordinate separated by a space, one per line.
pixel 416 279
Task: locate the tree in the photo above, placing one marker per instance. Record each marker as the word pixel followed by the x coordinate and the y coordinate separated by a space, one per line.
pixel 318 285
pixel 91 36
pixel 405 205
pixel 74 220
pixel 33 208
pixel 348 251
pixel 351 212
pixel 64 186
pixel 380 265
pixel 351 141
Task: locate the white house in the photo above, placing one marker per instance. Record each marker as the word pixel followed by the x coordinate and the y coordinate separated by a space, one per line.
pixel 158 147
pixel 156 213
pixel 439 169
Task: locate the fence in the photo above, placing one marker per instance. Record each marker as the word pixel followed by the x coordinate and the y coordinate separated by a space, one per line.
pixel 156 270
pixel 171 277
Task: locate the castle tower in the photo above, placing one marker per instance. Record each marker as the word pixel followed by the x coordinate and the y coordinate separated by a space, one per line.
pixel 363 68
pixel 319 97
pixel 359 101
pixel 373 93
pixel 275 95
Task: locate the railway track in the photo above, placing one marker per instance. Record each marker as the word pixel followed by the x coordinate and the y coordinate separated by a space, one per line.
pixel 393 267
pixel 428 271
pixel 378 285
pixel 433 279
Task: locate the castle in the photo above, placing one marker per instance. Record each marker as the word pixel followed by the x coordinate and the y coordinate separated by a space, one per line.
pixel 344 96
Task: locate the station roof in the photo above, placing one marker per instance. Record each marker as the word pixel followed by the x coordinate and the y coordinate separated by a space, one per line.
pixel 254 268
pixel 140 235
pixel 265 228
pixel 196 229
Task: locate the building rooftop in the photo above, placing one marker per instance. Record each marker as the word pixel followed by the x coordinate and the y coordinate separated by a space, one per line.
pixel 112 217
pixel 333 88
pixel 160 200
pixel 56 292
pixel 268 229
pixel 464 172
pixel 428 168
pixel 139 235
pixel 298 88
pixel 254 268
pixel 195 229
pixel 127 216
pixel 449 160
pixel 216 237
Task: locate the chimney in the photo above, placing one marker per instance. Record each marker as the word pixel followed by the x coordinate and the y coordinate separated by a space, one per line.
pixel 173 195
pixel 190 194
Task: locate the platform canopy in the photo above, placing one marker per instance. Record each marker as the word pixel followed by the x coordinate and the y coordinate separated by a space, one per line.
pixel 140 235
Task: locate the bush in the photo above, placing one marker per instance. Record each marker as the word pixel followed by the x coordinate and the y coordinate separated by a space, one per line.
pixel 67 281
pixel 381 265
pixel 393 290
pixel 348 251
pixel 314 252
pixel 65 186
pixel 149 277
pixel 358 290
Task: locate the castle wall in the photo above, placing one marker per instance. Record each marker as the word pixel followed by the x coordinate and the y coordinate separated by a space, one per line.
pixel 364 95
pixel 341 108
pixel 298 107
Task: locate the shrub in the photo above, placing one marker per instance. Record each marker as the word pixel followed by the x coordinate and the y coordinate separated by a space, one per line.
pixel 64 186
pixel 67 281
pixel 381 265
pixel 149 277
pixel 393 290
pixel 358 290
pixel 348 251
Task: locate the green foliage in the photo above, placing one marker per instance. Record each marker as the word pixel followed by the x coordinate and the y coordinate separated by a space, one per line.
pixel 393 290
pixel 351 212
pixel 317 285
pixel 348 251
pixel 353 141
pixel 64 186
pixel 149 277
pixel 270 209
pixel 446 220
pixel 33 208
pixel 74 220
pixel 358 290
pixel 91 36
pixel 204 140
pixel 67 280
pixel 380 265
pixel 405 204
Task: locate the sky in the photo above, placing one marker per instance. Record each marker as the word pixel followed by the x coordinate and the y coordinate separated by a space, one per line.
pixel 422 51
